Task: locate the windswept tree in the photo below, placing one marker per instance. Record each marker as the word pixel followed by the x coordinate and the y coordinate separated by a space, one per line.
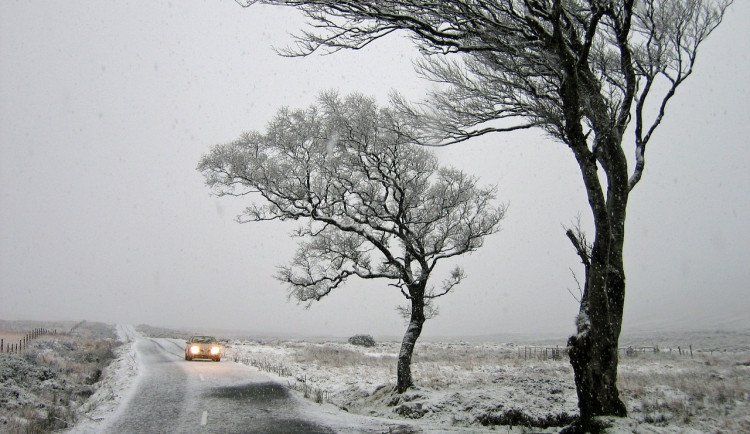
pixel 595 75
pixel 375 205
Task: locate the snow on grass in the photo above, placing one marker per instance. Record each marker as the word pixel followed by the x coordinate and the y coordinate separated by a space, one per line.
pixel 458 385
pixel 468 386
pixel 115 387
pixel 710 391
pixel 461 386
pixel 42 388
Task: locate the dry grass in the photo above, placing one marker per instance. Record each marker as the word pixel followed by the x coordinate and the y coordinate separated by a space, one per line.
pixel 339 356
pixel 665 389
pixel 464 356
pixel 74 357
pixel 708 392
pixel 9 336
pixel 43 386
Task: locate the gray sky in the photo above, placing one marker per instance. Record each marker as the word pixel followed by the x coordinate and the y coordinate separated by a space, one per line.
pixel 106 108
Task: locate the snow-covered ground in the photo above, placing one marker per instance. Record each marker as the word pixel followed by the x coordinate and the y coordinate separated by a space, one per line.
pixel 119 384
pixel 49 384
pixel 470 387
pixel 116 384
pixel 459 386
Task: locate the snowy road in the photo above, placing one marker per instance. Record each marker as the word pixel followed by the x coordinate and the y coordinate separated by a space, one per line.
pixel 173 395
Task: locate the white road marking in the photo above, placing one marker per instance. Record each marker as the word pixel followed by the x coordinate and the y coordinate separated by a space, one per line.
pixel 204 418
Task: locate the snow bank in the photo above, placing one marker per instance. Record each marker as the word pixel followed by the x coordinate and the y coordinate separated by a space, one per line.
pixel 116 385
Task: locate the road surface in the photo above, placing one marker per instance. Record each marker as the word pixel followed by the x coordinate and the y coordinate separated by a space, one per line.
pixel 172 395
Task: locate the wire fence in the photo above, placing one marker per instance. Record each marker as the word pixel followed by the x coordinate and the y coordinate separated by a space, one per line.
pixel 23 343
pixel 635 350
pixel 542 353
pixel 560 353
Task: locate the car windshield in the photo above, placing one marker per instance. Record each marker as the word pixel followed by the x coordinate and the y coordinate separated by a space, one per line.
pixel 203 339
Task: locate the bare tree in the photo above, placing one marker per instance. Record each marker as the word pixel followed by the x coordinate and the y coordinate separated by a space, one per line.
pixel 376 206
pixel 584 71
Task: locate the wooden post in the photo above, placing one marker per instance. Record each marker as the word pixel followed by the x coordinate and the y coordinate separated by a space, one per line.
pixel 691 351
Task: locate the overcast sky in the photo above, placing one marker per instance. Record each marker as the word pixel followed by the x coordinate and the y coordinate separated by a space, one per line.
pixel 106 108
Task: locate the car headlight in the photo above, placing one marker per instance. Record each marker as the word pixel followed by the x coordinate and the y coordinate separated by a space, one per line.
pixel 215 350
pixel 195 349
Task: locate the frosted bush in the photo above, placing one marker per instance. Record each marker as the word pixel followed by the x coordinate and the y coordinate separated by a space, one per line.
pixel 362 340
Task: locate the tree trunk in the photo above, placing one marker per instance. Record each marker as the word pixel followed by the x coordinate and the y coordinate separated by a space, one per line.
pixel 593 356
pixel 593 351
pixel 404 379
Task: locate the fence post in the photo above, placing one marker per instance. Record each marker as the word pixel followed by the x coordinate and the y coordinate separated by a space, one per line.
pixel 691 351
pixel 2 343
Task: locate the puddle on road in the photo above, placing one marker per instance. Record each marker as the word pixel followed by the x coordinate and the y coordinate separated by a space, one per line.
pixel 266 399
pixel 252 392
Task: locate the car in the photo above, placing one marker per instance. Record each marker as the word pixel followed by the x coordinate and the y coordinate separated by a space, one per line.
pixel 202 347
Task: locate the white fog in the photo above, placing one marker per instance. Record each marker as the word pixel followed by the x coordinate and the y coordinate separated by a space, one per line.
pixel 106 109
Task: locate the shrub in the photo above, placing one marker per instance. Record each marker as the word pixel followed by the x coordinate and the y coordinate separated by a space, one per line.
pixel 42 389
pixel 363 340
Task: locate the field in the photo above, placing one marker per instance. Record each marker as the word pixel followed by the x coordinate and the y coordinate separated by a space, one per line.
pixel 46 386
pixel 670 382
pixel 473 386
pixel 10 338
